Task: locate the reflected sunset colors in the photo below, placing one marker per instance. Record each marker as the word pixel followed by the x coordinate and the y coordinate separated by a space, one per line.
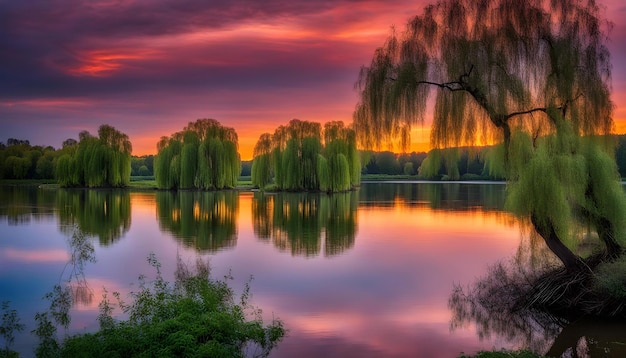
pixel 206 221
pixel 368 272
pixel 296 222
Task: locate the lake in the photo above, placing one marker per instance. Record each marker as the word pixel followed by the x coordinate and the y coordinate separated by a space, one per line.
pixel 367 273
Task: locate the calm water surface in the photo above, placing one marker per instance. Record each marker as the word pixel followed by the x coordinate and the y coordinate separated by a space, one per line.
pixel 367 273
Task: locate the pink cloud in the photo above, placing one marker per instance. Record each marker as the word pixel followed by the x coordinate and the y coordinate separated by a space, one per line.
pixel 150 68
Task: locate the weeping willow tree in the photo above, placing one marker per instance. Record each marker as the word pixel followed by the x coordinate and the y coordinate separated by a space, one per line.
pixel 204 155
pixel 261 171
pixel 344 164
pixel 102 161
pixel 437 159
pixel 298 161
pixel 532 75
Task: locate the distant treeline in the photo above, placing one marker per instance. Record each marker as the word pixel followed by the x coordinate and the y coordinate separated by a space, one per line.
pixel 451 164
pixel 21 160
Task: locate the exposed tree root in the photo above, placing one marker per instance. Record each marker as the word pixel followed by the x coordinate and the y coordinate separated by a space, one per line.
pixel 571 294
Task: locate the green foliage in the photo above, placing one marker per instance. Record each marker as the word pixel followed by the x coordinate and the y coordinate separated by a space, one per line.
pixel 20 160
pixel 194 316
pixel 104 214
pixel 19 167
pixel 204 180
pixel 570 182
pixel 290 163
pixel 205 221
pixel 189 162
pixel 323 173
pixel 408 169
pixel 161 167
pixel 494 161
pixel 203 156
pixel 261 170
pixel 300 162
pixel 605 196
pixel 9 325
pixel 102 161
pixel 540 191
pixel 387 163
pixel 144 171
pixel 536 80
pixel 441 162
pixel 137 163
pixel 46 332
pixel 232 156
pixel 45 165
pixel 431 164
pixel 296 222
pixel 610 279
pixel 339 169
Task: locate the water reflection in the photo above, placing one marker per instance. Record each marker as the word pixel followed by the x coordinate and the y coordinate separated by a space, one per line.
pixel 20 204
pixel 493 305
pixel 440 196
pixel 101 213
pixel 206 221
pixel 294 222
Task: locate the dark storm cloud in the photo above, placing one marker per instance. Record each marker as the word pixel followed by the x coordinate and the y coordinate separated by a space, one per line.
pixel 45 40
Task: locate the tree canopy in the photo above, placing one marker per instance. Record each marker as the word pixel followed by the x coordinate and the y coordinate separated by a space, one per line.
pixel 531 75
pixel 298 161
pixel 20 160
pixel 102 161
pixel 203 155
pixel 491 65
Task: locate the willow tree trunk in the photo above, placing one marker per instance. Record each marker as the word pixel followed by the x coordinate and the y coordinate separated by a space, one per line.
pixel 549 235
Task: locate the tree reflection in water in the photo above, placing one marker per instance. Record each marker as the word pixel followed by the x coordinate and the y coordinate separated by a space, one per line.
pixel 71 290
pixel 437 195
pixel 203 220
pixel 295 222
pixel 104 213
pixel 496 304
pixel 20 203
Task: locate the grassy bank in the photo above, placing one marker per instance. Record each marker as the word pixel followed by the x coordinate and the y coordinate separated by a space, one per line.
pixel 444 178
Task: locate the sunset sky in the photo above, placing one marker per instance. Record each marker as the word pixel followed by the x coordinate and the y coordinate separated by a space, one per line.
pixel 150 67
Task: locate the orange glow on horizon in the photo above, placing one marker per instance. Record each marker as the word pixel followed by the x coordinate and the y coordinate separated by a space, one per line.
pixel 145 144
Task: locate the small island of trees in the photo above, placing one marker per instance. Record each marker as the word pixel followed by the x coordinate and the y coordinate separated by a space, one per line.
pixel 102 161
pixel 295 159
pixel 204 155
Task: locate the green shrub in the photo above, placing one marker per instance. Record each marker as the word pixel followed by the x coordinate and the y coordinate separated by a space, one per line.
pixel 611 278
pixel 195 316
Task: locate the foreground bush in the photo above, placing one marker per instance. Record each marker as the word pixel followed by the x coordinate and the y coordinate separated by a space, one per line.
pixel 194 316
